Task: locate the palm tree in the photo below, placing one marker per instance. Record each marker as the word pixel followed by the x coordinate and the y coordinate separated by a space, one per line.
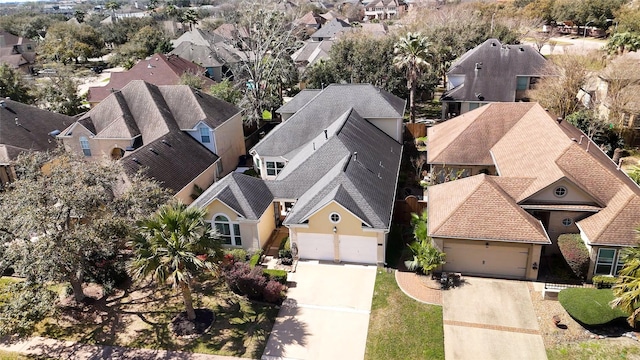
pixel 173 246
pixel 412 53
pixel 426 257
pixel 627 287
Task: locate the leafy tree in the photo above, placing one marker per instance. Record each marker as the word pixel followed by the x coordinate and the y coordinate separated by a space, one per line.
pixel 412 54
pixel 67 42
pixel 79 15
pixel 59 93
pixel 226 91
pixel 623 41
pixel 634 174
pixel 62 212
pixel 145 42
pixel 426 257
pixel 124 30
pixel 113 6
pixel 22 306
pixel 13 85
pixel 189 17
pixel 191 79
pixel 175 245
pixel 596 12
pixel 627 18
pixel 627 287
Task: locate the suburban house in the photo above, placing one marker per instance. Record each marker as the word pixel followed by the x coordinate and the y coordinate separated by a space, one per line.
pixel 309 22
pixel 491 72
pixel 178 135
pixel 158 69
pixel 214 51
pixel 514 178
pixel 383 9
pixel 327 177
pixel 310 53
pixel 18 52
pixel 614 93
pixel 331 30
pixel 26 128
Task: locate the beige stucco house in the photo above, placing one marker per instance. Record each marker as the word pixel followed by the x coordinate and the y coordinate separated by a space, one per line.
pixel 176 134
pixel 328 175
pixel 526 179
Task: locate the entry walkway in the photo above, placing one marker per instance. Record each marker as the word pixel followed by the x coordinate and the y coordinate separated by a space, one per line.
pixel 69 350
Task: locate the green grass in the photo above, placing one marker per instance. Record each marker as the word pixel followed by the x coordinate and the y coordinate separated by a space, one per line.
pixel 400 327
pixel 5 355
pixel 596 350
pixel 590 306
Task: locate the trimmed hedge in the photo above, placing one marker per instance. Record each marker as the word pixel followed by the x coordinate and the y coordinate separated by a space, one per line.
pixel 575 253
pixel 255 259
pixel 276 275
pixel 590 306
pixel 604 282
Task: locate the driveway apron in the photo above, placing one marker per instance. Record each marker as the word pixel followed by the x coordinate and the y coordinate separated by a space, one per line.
pixel 491 319
pixel 325 315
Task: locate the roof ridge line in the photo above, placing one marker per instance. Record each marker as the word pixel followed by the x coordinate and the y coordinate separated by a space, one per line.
pixel 629 199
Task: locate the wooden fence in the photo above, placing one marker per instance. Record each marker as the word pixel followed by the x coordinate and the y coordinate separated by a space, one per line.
pixel 403 209
pixel 416 130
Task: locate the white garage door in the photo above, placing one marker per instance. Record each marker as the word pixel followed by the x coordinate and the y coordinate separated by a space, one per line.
pixel 501 260
pixel 315 246
pixel 358 249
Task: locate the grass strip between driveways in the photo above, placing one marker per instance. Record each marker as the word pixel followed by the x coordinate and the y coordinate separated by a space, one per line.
pixel 400 327
pixel 611 349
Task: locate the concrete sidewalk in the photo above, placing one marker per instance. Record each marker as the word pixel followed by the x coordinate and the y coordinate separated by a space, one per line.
pixel 58 349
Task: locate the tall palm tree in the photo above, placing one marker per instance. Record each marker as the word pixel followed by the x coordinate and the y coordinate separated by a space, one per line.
pixel 627 287
pixel 174 245
pixel 412 53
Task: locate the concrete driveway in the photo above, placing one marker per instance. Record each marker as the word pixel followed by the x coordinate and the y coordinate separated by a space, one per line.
pixel 490 319
pixel 325 315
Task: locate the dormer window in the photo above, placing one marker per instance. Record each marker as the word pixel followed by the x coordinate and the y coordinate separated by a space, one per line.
pixel 274 168
pixel 205 137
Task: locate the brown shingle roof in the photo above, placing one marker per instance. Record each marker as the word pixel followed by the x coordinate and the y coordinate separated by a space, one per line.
pixel 157 69
pixel 459 209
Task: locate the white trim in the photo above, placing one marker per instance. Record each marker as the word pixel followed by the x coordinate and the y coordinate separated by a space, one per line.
pixel 71 128
pixel 331 217
pixel 232 233
pixel 495 163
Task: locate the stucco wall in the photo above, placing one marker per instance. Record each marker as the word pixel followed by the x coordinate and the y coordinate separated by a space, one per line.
pixel 248 229
pixel 204 180
pixel 266 226
pixel 392 127
pixel 556 228
pixel 99 147
pixel 229 140
pixel 348 225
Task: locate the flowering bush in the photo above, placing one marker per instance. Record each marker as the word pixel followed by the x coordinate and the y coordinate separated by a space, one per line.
pixel 248 281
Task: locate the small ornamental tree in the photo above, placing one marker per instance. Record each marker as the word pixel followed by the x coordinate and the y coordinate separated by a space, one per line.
pixel 426 257
pixel 575 253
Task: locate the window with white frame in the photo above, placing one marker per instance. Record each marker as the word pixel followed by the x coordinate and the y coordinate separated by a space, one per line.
pixel 608 262
pixel 229 232
pixel 84 144
pixel 205 136
pixel 274 168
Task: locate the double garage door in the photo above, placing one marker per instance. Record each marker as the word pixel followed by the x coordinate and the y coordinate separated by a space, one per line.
pixel 356 249
pixel 476 258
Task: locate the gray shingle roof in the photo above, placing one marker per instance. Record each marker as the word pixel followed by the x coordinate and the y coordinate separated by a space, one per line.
pixel 498 66
pixel 300 100
pixel 199 54
pixel 331 29
pixel 332 102
pixel 32 130
pixel 246 195
pixel 165 160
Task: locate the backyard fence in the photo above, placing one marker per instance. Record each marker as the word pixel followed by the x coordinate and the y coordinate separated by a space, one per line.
pixel 403 209
pixel 416 130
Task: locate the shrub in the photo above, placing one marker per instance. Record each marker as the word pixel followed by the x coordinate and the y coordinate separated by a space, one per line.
pixel 590 306
pixel 286 257
pixel 285 244
pixel 236 254
pixel 276 275
pixel 251 282
pixel 273 292
pixel 575 253
pixel 255 259
pixel 604 282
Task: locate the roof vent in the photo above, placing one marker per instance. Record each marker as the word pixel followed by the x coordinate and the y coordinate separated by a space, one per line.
pixel 326 134
pixel 153 151
pixel 149 66
pixel 521 49
pixel 166 142
pixel 574 139
pixel 478 65
pixel 559 120
pixel 379 176
pixel 17 123
pixel 493 44
pixel 381 164
pixel 135 160
pixel 355 156
pixel 3 104
pixel 54 133
pixel 314 146
pixel 129 148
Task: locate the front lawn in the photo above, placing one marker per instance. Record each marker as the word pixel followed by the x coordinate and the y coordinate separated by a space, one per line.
pixel 400 327
pixel 590 306
pixel 609 349
pixel 140 319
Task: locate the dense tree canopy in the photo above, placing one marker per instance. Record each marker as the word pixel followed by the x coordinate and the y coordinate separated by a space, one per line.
pixel 13 85
pixel 65 216
pixel 66 42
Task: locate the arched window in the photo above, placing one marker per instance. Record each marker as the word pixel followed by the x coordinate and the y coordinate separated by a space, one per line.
pixel 229 232
pixel 84 144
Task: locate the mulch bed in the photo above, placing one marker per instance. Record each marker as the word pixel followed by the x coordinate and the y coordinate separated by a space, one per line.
pixel 182 326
